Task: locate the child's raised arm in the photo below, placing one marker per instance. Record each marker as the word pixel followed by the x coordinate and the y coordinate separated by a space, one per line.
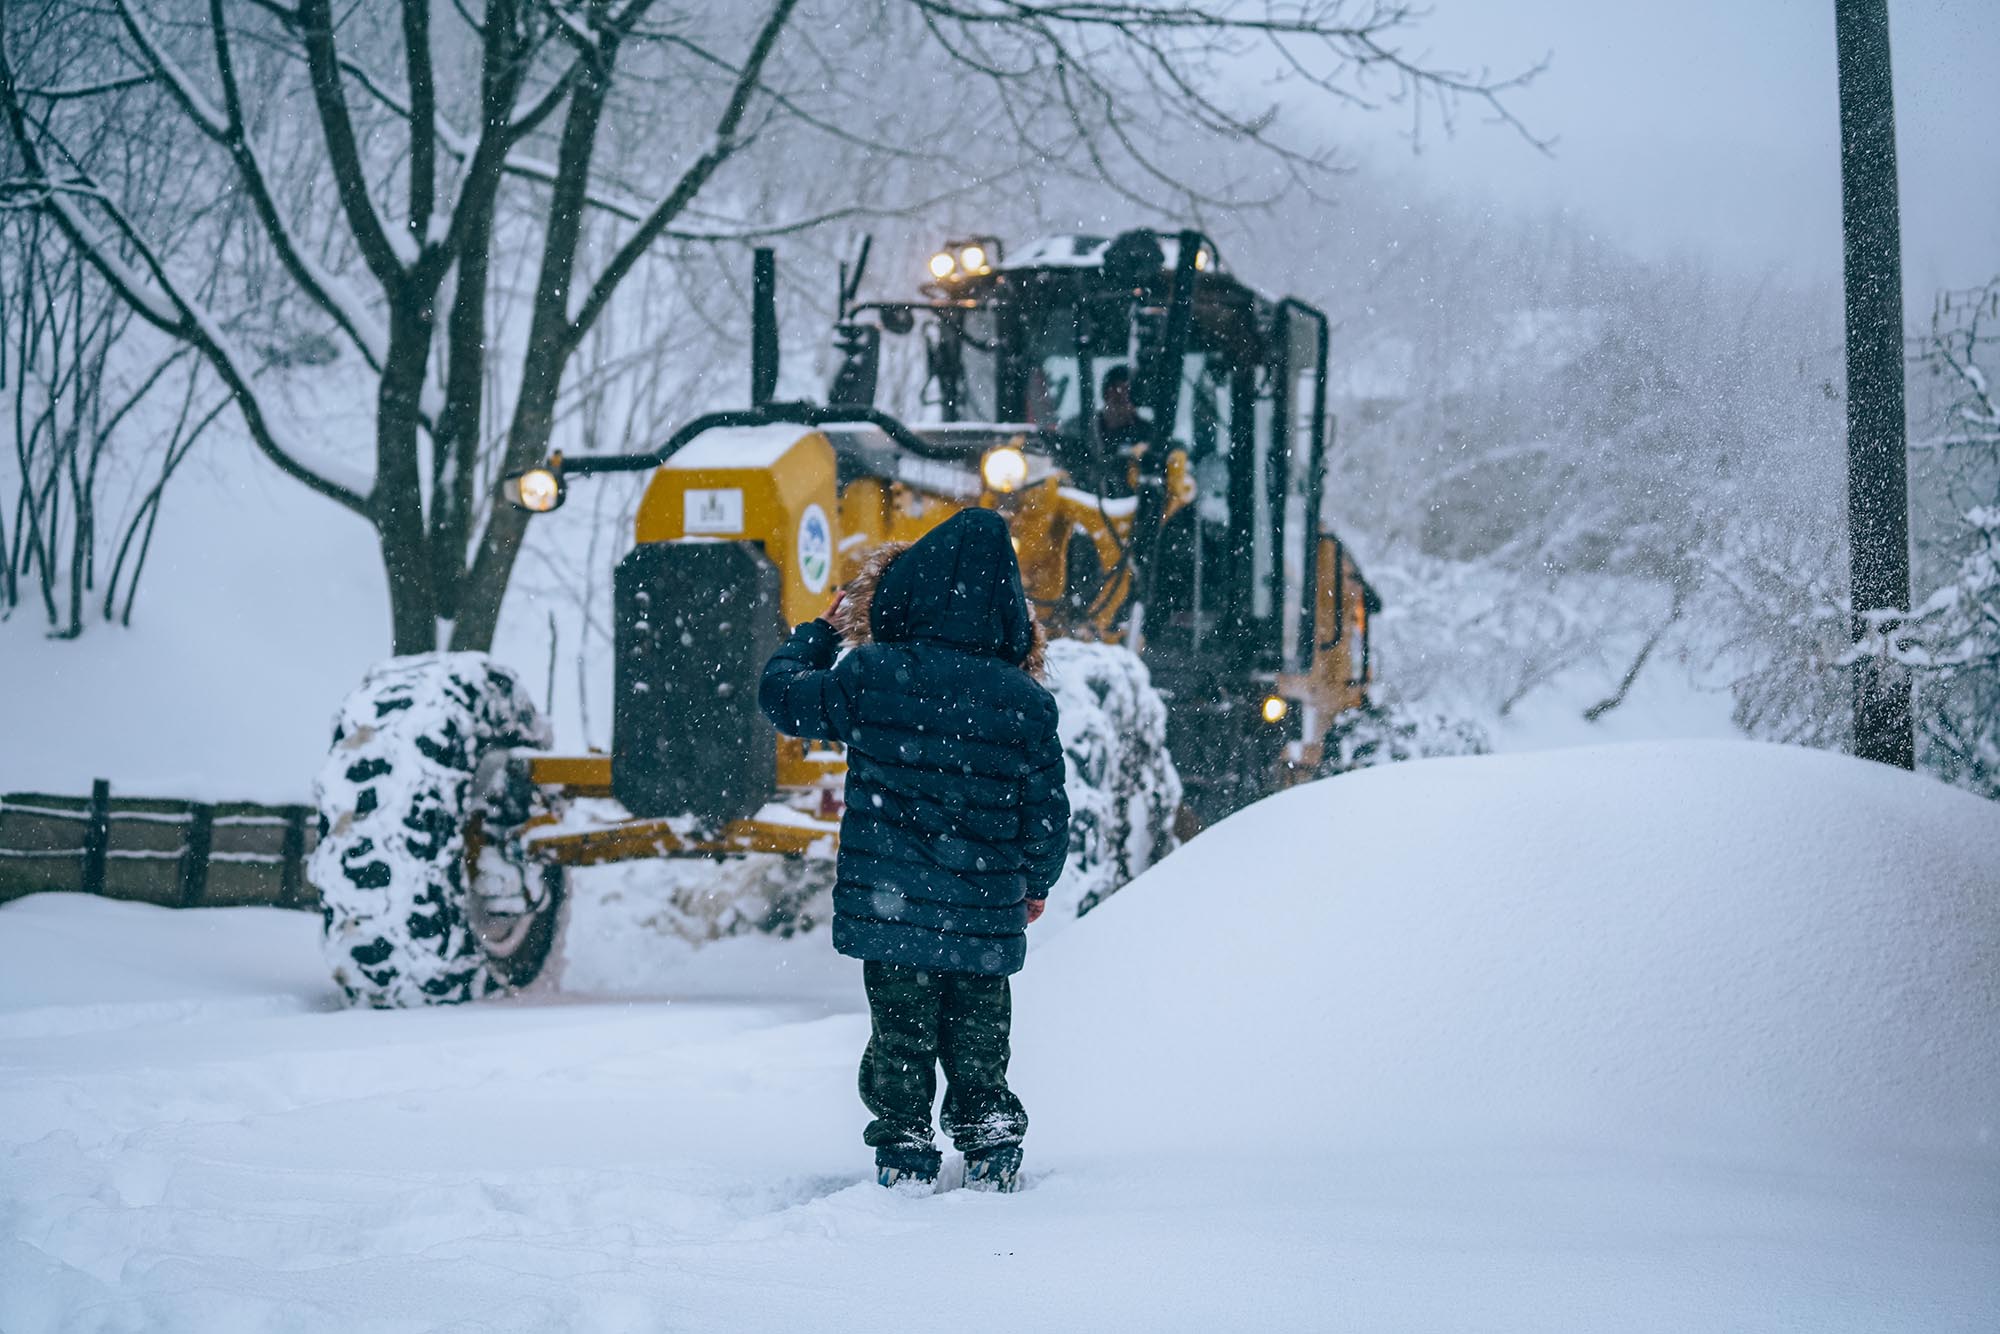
pixel 800 692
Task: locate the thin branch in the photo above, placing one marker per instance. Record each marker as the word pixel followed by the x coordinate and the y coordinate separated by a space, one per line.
pixel 166 308
pixel 350 175
pixel 528 121
pixel 724 146
pixel 423 117
pixel 791 105
pixel 180 88
pixel 70 92
pixel 227 129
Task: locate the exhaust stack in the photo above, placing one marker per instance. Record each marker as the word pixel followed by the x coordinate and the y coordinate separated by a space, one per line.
pixel 763 327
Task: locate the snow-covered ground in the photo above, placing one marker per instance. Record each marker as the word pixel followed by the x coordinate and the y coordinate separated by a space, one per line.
pixel 1649 1037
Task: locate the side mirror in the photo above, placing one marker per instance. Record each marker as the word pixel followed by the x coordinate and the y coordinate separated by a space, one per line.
pixel 538 490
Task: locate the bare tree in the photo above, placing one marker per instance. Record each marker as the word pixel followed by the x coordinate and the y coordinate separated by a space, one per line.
pixel 1954 650
pixel 450 137
pixel 1559 462
pixel 1778 596
pixel 1955 353
pixel 81 384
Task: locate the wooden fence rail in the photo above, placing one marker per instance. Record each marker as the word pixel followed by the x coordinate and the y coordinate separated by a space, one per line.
pixel 180 854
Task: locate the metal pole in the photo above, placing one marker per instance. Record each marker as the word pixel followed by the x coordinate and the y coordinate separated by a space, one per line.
pixel 1877 465
pixel 292 870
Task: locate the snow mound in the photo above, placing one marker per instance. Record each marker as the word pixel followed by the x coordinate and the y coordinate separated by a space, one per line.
pixel 1699 943
pixel 72 964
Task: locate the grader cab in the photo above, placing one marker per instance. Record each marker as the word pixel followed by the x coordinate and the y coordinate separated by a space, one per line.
pixel 1152 430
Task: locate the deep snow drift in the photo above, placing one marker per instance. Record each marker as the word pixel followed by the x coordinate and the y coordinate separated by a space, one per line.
pixel 1691 940
pixel 1659 1037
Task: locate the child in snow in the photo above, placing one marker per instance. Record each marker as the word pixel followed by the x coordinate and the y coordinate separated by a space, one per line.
pixel 956 826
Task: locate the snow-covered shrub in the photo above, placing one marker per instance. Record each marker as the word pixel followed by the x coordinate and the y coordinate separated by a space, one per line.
pixel 1784 591
pixel 1956 658
pixel 699 900
pixel 1123 788
pixel 1789 601
pixel 1775 598
pixel 1387 734
pixel 1955 633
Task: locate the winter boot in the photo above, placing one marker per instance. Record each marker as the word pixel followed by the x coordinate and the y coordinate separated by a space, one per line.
pixel 904 1179
pixel 996 1169
pixel 908 1169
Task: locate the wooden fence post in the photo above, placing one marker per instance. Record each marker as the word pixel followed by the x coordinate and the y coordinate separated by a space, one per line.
pixel 194 854
pixel 292 871
pixel 97 837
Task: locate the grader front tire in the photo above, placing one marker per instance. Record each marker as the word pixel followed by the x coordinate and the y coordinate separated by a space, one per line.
pixel 405 923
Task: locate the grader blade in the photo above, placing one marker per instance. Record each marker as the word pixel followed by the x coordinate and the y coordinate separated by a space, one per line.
pixel 789 833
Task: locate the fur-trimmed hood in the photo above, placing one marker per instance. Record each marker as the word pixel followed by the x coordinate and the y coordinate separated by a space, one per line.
pixel 960 585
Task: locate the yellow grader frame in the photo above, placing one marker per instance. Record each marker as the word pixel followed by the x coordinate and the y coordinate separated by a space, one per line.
pixel 780 488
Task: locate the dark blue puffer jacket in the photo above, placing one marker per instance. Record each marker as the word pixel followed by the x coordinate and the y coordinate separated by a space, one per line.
pixel 956 813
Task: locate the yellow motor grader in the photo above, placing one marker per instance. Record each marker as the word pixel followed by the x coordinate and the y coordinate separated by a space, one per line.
pixel 1152 430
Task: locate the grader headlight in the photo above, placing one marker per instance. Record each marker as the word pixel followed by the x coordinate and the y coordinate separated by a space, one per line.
pixel 1004 468
pixel 538 490
pixel 1275 708
pixel 973 259
pixel 942 264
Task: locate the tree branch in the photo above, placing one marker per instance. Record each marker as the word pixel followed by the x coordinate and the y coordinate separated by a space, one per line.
pixel 350 176
pixel 71 92
pixel 167 309
pixel 423 117
pixel 692 180
pixel 321 287
pixel 179 86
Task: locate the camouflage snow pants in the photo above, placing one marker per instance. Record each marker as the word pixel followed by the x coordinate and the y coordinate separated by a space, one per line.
pixel 919 1020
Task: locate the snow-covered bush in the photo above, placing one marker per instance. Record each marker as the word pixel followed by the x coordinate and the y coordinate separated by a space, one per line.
pixel 1789 603
pixel 1776 603
pixel 1955 633
pixel 699 900
pixel 1956 656
pixel 1123 788
pixel 1377 734
pixel 1478 638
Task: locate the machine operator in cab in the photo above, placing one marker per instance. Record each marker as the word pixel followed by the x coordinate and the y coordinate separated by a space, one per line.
pixel 1121 434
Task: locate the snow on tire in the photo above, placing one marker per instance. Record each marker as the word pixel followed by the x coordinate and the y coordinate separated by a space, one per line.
pixel 395 796
pixel 1123 788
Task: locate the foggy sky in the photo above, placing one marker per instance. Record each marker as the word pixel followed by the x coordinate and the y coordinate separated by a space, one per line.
pixel 1712 126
